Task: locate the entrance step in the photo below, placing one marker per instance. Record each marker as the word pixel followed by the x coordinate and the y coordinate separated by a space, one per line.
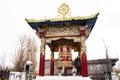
pixel 62 78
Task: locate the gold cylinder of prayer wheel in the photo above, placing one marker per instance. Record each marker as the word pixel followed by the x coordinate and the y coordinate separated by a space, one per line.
pixel 65 57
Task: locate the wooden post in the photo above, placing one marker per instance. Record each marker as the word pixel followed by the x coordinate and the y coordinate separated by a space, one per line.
pixel 42 57
pixel 84 66
pixel 52 64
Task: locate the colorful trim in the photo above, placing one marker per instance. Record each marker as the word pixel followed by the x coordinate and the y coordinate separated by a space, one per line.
pixel 64 19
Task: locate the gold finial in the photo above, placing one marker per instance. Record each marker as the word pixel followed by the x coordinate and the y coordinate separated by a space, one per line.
pixel 63 9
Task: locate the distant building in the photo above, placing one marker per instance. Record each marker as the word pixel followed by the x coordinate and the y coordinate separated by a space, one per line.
pixel 96 68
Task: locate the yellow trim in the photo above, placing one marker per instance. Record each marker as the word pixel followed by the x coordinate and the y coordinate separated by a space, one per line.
pixel 64 19
pixel 33 20
pixel 65 64
pixel 65 55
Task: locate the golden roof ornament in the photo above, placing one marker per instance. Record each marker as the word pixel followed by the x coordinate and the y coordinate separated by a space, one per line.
pixel 63 9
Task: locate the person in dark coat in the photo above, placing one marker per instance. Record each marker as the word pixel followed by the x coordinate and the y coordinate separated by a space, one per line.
pixel 77 64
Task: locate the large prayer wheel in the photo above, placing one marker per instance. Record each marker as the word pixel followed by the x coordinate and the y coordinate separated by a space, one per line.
pixel 65 57
pixel 62 34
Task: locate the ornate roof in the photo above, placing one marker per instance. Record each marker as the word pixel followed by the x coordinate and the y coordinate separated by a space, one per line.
pixel 90 20
pixel 63 19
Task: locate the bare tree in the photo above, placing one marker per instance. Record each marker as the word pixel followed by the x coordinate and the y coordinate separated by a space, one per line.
pixel 26 50
pixel 2 61
pixel 117 67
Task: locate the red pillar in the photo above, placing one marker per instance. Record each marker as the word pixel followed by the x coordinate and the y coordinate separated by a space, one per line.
pixel 42 64
pixel 42 58
pixel 84 66
pixel 52 67
pixel 79 54
pixel 52 64
pixel 41 34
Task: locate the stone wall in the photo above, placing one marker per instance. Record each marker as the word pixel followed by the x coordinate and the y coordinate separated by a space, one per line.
pixel 96 68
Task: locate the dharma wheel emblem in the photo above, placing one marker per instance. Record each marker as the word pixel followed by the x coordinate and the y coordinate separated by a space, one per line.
pixel 63 9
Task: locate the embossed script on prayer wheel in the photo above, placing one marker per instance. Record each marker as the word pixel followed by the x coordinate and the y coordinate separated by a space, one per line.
pixel 65 57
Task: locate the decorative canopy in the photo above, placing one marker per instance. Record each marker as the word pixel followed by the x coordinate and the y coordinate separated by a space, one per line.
pixel 90 20
pixel 62 34
pixel 63 11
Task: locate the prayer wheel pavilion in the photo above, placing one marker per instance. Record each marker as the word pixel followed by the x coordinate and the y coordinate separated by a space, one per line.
pixel 63 34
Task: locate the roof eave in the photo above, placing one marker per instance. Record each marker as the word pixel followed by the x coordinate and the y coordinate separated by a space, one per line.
pixel 63 19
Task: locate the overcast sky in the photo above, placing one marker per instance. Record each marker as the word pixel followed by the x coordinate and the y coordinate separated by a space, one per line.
pixel 107 27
